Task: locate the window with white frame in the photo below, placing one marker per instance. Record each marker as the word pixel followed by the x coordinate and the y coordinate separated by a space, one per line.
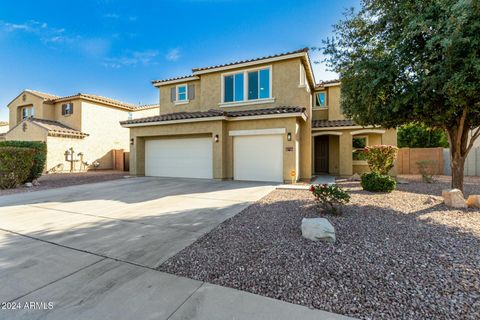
pixel 248 85
pixel 182 93
pixel 321 100
pixel 27 112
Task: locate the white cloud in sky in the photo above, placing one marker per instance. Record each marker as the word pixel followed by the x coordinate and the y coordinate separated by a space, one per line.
pixel 173 54
pixel 134 58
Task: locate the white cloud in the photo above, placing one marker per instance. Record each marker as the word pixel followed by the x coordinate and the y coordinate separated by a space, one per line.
pixel 112 15
pixel 173 54
pixel 146 58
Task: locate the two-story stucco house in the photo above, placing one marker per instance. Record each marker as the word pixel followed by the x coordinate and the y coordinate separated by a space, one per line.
pixel 86 124
pixel 264 119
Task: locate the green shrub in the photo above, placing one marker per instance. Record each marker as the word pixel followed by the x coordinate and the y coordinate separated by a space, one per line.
pixel 376 182
pixel 330 197
pixel 381 158
pixel 40 157
pixel 15 166
pixel 418 135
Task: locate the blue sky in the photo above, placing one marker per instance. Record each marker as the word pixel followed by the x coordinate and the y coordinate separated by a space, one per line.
pixel 115 48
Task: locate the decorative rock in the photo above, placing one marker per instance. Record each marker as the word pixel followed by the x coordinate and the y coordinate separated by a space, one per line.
pixel 28 184
pixel 473 201
pixel 454 198
pixel 318 229
pixel 35 183
pixel 355 177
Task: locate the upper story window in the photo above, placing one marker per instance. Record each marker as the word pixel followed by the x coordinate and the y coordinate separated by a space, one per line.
pixel 27 112
pixel 182 93
pixel 248 85
pixel 130 116
pixel 321 100
pixel 67 109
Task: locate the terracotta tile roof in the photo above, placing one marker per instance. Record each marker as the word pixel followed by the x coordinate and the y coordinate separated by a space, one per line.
pixel 250 60
pixel 215 113
pixel 55 127
pixel 173 79
pixel 332 123
pixel 45 96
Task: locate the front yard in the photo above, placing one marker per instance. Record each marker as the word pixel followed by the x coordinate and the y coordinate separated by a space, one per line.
pixel 400 255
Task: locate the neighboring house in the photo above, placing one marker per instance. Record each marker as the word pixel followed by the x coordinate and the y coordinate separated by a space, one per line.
pixel 263 119
pixel 85 123
pixel 3 128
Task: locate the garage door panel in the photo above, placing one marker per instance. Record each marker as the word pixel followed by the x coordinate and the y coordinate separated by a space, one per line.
pixel 258 158
pixel 184 158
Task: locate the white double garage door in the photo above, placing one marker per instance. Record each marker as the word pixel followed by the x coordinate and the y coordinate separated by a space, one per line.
pixel 255 157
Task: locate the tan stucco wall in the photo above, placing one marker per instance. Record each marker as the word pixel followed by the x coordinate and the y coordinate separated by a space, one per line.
pixel 334 109
pixel 285 90
pixel 56 147
pixel 32 132
pixel 73 120
pixel 222 150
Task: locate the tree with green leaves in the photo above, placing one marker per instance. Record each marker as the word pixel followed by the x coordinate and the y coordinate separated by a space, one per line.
pixel 402 61
pixel 418 135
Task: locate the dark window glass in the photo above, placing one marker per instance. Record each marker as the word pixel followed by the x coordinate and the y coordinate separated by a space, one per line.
pixel 228 89
pixel 253 85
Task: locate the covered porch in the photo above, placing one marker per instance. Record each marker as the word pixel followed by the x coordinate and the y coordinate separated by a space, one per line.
pixel 338 146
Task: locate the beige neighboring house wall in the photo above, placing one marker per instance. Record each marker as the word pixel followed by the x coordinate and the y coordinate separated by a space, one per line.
pixel 94 124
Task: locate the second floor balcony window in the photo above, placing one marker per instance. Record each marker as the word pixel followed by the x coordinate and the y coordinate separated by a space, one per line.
pixel 247 85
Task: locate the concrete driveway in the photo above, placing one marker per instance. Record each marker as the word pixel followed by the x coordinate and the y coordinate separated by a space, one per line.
pixel 90 252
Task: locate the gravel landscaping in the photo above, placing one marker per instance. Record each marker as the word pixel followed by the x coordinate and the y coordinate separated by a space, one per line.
pixel 402 255
pixel 58 180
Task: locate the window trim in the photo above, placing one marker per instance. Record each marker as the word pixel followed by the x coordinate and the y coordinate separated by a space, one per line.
pixel 245 100
pixel 326 100
pixel 177 101
pixel 303 77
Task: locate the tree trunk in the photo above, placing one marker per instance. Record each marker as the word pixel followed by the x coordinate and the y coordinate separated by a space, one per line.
pixel 457 165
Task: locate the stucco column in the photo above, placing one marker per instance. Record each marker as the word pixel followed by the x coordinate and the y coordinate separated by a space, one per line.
pixel 346 164
pixel 137 157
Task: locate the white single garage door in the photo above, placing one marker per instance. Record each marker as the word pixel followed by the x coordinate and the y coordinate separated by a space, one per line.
pixel 183 158
pixel 258 158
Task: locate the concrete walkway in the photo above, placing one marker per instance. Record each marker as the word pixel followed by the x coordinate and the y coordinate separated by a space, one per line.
pixel 90 252
pixel 324 180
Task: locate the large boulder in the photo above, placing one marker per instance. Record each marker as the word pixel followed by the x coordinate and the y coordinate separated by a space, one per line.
pixel 473 201
pixel 318 229
pixel 355 177
pixel 454 198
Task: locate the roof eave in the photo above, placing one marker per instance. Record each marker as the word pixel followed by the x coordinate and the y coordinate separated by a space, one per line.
pixel 252 63
pixel 159 83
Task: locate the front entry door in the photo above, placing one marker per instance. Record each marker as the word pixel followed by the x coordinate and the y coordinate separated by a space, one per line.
pixel 321 154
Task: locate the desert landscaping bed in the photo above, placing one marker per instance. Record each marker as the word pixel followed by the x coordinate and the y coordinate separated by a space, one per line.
pixel 58 180
pixel 402 255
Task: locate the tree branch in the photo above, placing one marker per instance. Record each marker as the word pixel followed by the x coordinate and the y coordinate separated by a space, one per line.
pixel 474 137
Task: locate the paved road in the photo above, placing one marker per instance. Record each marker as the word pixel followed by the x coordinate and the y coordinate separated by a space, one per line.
pixel 91 251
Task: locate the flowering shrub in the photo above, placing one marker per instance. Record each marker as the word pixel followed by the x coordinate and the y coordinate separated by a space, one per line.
pixel 381 158
pixel 330 197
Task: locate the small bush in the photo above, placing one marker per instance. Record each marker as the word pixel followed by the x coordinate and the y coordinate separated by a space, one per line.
pixel 375 182
pixel 418 135
pixel 381 158
pixel 330 197
pixel 427 169
pixel 15 166
pixel 40 157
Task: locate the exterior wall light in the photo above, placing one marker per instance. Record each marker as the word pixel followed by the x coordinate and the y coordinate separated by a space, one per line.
pixel 131 141
pixel 216 138
pixel 289 136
